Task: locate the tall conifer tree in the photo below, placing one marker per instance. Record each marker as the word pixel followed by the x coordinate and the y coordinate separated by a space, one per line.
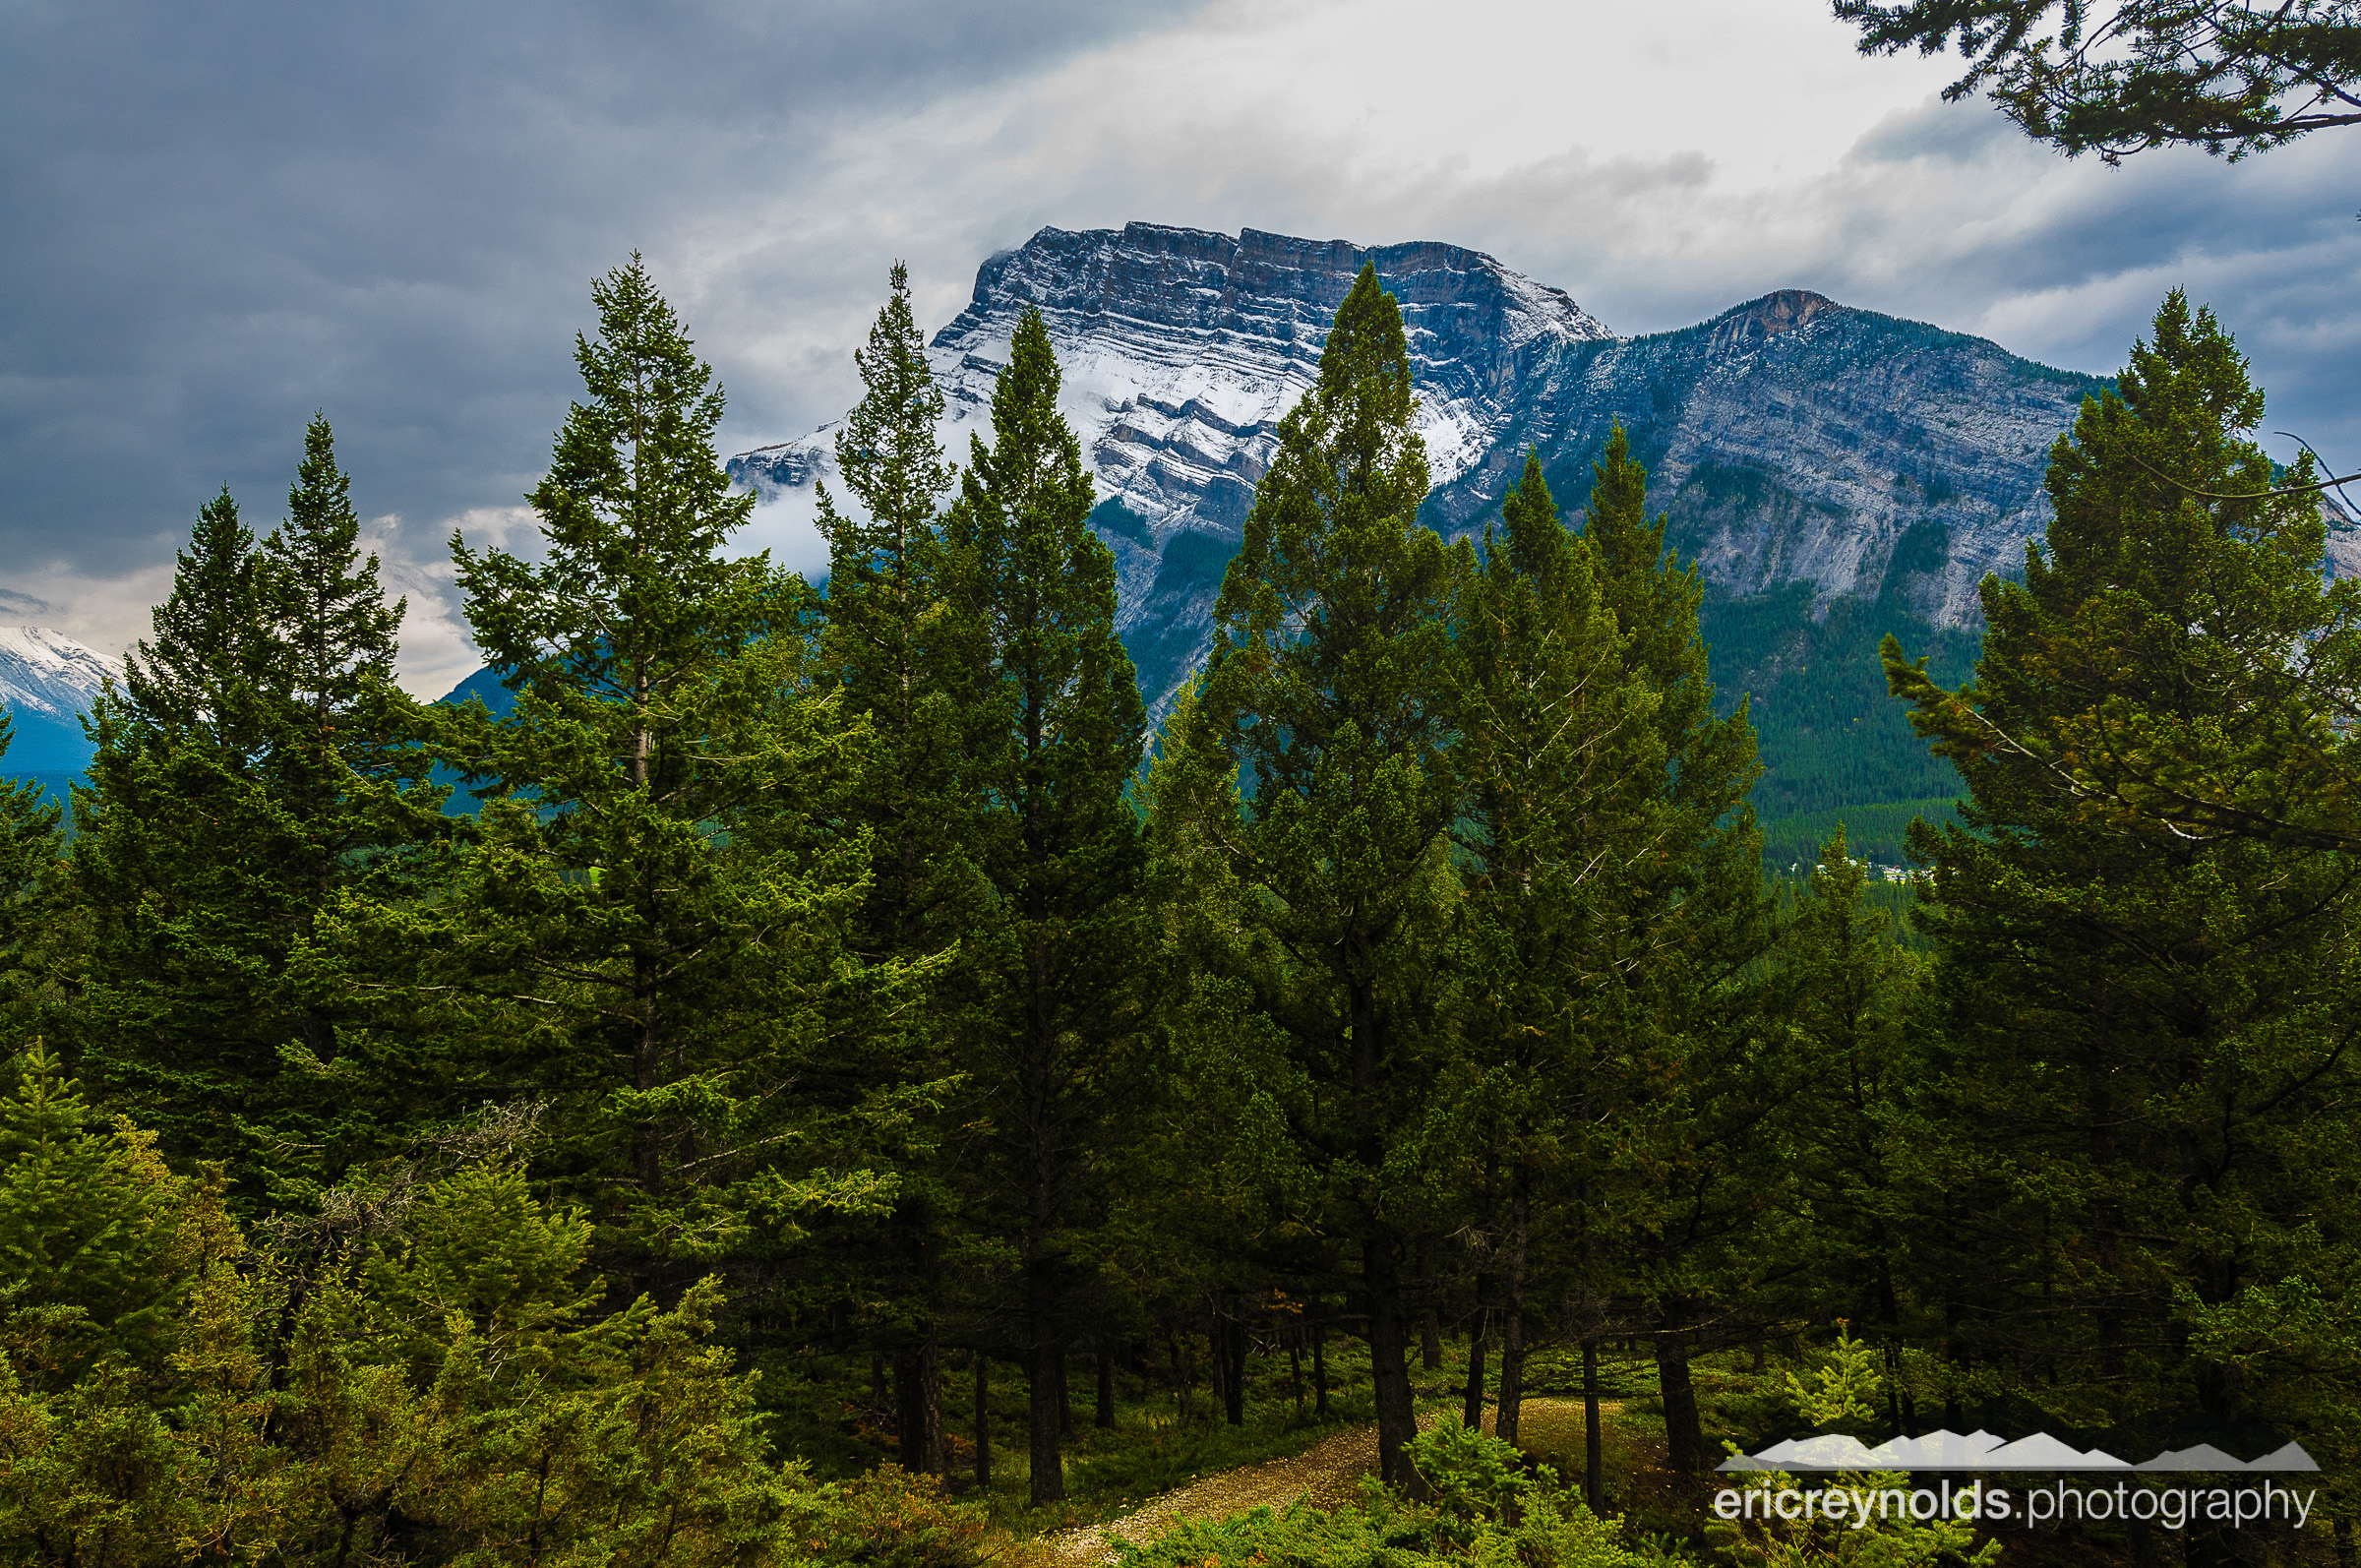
pixel 1048 975
pixel 1332 684
pixel 32 882
pixel 1683 923
pixel 651 928
pixel 892 651
pixel 258 764
pixel 1559 745
pixel 2154 1031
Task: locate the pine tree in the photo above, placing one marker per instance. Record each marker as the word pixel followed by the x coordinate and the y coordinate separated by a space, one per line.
pixel 258 764
pixel 1558 747
pixel 1049 971
pixel 1331 685
pixel 88 1262
pixel 1863 1215
pixel 649 926
pixel 345 764
pixel 884 592
pixel 32 882
pixel 1681 928
pixel 212 639
pixel 2152 1031
pixel 891 651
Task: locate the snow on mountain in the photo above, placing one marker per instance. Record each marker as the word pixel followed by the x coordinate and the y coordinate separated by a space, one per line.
pixel 1793 440
pixel 47 673
pixel 47 683
pixel 1181 350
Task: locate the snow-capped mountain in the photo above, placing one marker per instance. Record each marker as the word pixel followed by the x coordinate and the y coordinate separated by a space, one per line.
pixel 1793 440
pixel 47 683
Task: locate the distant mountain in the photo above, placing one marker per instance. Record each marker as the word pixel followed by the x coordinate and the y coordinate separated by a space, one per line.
pixel 1793 439
pixel 47 683
pixel 1835 472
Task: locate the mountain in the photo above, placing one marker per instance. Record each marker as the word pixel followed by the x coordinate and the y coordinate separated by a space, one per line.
pixel 1835 472
pixel 47 683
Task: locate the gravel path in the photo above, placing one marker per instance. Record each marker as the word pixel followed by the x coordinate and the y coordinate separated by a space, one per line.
pixel 1326 1474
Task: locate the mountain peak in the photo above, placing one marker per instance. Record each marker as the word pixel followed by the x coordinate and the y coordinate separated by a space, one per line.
pixel 1796 441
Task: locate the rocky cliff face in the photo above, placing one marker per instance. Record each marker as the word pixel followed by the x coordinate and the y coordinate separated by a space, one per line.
pixel 1796 442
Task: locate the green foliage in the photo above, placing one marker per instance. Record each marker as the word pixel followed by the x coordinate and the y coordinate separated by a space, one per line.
pixel 90 1246
pixel 31 884
pixel 258 764
pixel 888 1518
pixel 648 925
pixel 1052 1011
pixel 413 1372
pixel 2119 79
pixel 2146 1077
pixel 1332 685
pixel 1542 1528
pixel 1844 1390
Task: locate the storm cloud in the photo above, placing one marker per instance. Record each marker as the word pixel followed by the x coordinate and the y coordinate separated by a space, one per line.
pixel 221 219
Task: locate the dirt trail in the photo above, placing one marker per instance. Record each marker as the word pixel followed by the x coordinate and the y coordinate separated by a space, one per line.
pixel 1326 1474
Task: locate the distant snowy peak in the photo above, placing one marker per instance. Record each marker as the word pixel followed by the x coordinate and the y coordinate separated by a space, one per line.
pixel 1798 445
pixel 1180 350
pixel 47 673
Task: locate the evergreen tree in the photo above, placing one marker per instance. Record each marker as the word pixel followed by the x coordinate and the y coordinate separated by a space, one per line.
pixel 2153 1033
pixel 1049 970
pixel 419 1373
pixel 88 1260
pixel 650 925
pixel 31 880
pixel 346 767
pixel 1680 926
pixel 1862 1209
pixel 888 649
pixel 211 640
pixel 1331 685
pixel 1559 747
pixel 256 765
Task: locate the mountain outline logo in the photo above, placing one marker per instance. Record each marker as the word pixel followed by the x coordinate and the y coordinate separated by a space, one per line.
pixel 1979 1450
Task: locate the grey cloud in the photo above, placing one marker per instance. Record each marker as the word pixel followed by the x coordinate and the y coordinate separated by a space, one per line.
pixel 223 218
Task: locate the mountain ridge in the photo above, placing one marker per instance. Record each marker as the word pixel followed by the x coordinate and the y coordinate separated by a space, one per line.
pixel 1799 446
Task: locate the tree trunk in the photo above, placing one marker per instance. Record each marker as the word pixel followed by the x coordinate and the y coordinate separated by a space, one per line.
pixel 1430 1328
pixel 1319 1368
pixel 1593 1453
pixel 1045 1394
pixel 1233 1347
pixel 1181 1376
pixel 1389 1363
pixel 983 1422
pixel 1512 1320
pixel 1683 1436
pixel 1294 1373
pixel 1065 1397
pixel 918 1404
pixel 1471 1415
pixel 1104 1415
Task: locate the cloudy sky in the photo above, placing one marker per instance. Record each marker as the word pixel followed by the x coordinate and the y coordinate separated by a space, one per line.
pixel 221 218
